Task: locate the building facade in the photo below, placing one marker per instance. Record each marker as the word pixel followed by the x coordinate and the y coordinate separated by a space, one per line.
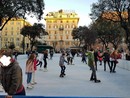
pixel 11 34
pixel 59 26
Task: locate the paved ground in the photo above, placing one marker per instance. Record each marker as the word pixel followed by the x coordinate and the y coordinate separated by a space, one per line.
pixel 76 82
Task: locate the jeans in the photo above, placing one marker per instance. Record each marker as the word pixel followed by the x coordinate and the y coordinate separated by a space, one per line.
pixel 29 77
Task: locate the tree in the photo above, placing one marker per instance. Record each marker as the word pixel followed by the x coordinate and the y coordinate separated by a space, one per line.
pixel 33 32
pixel 20 8
pixel 84 34
pixel 77 33
pixel 108 32
pixel 114 10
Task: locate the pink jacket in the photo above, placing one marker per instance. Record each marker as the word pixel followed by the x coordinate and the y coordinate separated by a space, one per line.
pixel 30 66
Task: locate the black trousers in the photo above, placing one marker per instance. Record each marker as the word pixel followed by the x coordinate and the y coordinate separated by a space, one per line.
pixel 95 64
pixel 40 63
pixel 45 63
pixel 62 69
pixel 113 65
pixel 108 62
pixel 93 74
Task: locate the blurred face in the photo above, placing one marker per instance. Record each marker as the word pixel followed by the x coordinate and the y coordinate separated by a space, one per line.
pixel 5 60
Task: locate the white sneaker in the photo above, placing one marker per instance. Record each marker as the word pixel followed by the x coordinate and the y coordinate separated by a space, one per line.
pixel 29 86
pixel 33 83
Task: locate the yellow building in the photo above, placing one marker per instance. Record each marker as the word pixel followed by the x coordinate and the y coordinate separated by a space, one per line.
pixel 59 26
pixel 11 34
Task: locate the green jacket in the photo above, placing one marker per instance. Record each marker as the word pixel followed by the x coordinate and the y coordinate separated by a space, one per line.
pixel 90 58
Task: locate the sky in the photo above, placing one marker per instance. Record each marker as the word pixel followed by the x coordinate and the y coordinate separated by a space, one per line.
pixel 81 7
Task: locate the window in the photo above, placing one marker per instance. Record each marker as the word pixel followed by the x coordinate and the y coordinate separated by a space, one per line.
pixel 67 26
pixel 73 26
pixel 67 32
pixel 49 26
pixel 55 32
pixel 67 37
pixel 61 26
pixel 55 37
pixel 55 26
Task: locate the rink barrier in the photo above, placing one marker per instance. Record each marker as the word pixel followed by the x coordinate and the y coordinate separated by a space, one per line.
pixel 4 96
pixel 125 64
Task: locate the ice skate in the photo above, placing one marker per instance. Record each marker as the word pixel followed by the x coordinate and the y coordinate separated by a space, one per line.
pixel 29 86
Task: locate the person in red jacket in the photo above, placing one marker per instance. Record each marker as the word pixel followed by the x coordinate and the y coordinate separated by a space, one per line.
pixel 114 56
pixel 35 61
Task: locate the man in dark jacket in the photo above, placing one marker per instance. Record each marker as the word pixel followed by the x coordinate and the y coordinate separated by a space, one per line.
pixel 11 75
pixel 106 58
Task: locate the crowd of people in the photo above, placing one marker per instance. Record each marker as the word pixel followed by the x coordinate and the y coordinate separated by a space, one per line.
pixel 11 72
pixel 108 56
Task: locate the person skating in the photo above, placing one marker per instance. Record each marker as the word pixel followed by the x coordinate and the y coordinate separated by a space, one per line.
pixel 45 60
pixel 29 70
pixel 40 59
pixel 62 65
pixel 91 64
pixel 106 59
pixel 114 60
